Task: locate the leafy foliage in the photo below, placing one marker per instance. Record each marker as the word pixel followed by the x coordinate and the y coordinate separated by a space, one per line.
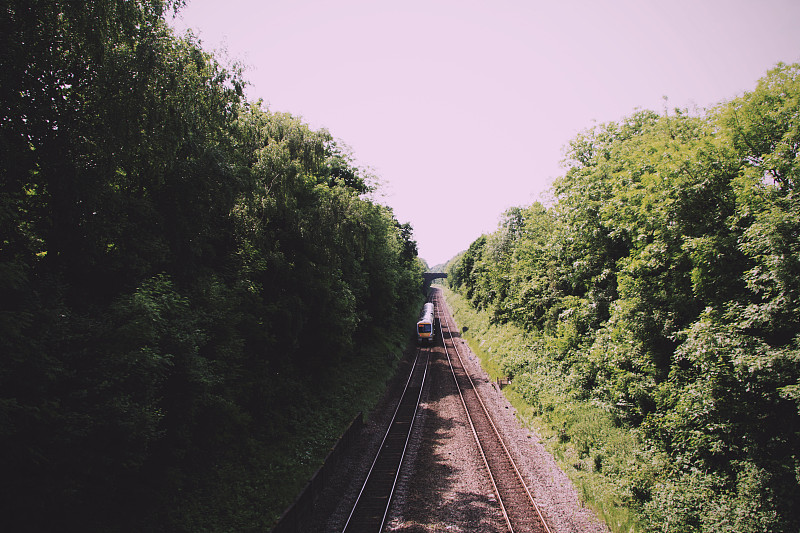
pixel 663 285
pixel 179 268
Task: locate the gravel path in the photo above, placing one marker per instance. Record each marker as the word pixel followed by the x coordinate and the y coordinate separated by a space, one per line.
pixel 443 486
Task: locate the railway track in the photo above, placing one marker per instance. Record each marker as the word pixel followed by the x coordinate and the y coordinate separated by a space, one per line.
pixel 370 511
pixel 371 508
pixel 516 502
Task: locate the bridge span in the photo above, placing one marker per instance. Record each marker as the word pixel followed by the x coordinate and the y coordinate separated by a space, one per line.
pixel 428 278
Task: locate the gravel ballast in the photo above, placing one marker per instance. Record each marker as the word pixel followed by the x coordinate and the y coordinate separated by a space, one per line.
pixel 443 485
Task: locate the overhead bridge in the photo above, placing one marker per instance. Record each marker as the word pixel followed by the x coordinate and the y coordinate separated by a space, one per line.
pixel 428 278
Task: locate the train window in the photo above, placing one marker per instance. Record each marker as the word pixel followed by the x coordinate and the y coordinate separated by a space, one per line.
pixel 424 328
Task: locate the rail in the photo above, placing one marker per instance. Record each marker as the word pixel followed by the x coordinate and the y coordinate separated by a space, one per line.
pixel 371 508
pixel 516 502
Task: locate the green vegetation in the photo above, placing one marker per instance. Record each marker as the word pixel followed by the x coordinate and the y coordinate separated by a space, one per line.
pixel 656 313
pixel 588 445
pixel 186 280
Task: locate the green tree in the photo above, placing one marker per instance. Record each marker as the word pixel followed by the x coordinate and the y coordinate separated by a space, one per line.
pixel 664 284
pixel 177 266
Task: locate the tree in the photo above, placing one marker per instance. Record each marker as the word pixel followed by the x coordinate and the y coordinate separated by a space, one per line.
pixel 664 284
pixel 177 265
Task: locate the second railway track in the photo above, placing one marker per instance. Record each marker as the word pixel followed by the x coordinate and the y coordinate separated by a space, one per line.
pixel 516 502
pixel 371 508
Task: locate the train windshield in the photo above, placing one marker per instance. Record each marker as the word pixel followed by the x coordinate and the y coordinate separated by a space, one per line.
pixel 424 328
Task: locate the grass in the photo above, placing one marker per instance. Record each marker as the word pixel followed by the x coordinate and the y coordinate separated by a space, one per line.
pixel 255 479
pixel 324 411
pixel 596 455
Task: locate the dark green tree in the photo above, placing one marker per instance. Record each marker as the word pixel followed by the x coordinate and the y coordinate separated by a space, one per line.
pixel 177 265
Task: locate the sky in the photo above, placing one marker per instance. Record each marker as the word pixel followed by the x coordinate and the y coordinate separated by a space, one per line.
pixel 464 108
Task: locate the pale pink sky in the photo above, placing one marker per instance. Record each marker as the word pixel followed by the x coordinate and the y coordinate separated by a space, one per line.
pixel 463 108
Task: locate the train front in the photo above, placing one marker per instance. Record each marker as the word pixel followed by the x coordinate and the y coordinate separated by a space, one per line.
pixel 425 333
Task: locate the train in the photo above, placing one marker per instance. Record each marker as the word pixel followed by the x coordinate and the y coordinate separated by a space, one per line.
pixel 425 326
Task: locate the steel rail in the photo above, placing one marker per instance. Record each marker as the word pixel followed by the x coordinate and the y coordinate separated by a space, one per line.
pixel 495 430
pixel 474 431
pixel 388 446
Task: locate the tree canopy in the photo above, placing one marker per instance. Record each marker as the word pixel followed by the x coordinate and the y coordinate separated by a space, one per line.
pixel 173 258
pixel 663 284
